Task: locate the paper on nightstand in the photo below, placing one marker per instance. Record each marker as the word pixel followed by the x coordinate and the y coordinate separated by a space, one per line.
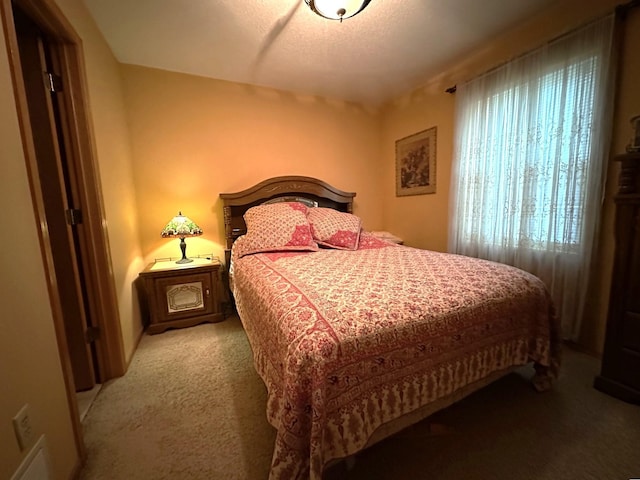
pixel 389 237
pixel 172 265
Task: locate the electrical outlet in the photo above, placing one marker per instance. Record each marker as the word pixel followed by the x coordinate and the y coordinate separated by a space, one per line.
pixel 22 427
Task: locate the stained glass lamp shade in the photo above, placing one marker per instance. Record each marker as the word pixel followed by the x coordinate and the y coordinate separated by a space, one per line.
pixel 181 226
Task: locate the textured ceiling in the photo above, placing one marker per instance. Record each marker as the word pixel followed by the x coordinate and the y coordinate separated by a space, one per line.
pixel 388 49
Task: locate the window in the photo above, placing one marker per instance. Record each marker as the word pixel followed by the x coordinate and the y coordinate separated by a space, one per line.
pixel 531 143
pixel 527 159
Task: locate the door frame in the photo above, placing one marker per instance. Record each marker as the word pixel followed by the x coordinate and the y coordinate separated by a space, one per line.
pixel 82 160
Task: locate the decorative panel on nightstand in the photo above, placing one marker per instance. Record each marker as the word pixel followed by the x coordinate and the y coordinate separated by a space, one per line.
pixel 182 295
pixel 620 375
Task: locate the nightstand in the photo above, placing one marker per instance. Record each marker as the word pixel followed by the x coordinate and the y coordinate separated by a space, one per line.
pixel 182 295
pixel 389 237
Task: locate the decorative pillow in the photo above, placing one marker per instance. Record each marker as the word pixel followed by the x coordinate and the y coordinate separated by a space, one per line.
pixel 335 229
pixel 276 227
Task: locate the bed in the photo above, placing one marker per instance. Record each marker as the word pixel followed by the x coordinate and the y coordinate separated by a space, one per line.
pixel 355 337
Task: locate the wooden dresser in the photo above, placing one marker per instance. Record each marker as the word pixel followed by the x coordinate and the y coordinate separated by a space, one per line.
pixel 620 374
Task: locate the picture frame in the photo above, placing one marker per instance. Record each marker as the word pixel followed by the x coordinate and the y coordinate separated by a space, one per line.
pixel 416 163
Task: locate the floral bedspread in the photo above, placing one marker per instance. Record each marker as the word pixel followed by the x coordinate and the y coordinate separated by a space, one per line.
pixel 346 341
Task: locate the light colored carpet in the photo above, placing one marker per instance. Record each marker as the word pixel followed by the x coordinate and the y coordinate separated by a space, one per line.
pixel 192 407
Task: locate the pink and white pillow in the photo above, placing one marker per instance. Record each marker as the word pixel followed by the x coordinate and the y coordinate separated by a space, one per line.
pixel 276 227
pixel 335 229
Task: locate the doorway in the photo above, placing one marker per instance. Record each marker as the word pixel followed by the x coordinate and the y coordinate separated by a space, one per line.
pixel 61 165
pixel 43 84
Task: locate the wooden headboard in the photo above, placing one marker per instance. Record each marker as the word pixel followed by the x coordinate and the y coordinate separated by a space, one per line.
pixel 290 188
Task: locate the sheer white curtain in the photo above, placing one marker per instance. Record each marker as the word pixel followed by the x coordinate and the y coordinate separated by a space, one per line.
pixel 532 140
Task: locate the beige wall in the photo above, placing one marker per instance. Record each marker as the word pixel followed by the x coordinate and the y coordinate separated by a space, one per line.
pixel 420 220
pixel 30 369
pixel 423 221
pixel 194 138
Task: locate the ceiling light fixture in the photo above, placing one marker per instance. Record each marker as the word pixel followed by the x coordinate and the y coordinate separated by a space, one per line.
pixel 337 9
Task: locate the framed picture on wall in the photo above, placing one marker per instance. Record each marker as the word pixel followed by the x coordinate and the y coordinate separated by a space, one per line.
pixel 416 163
